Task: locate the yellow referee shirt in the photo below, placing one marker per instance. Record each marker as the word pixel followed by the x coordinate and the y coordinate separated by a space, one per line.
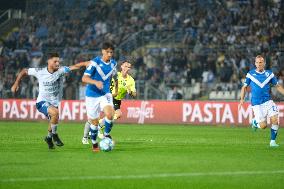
pixel 123 85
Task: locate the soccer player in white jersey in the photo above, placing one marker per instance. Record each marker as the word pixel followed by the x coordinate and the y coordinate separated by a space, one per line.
pixel 50 81
pixel 98 96
pixel 260 81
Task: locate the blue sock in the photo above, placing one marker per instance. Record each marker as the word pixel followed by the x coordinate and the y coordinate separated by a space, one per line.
pixel 108 125
pixel 274 131
pixel 94 133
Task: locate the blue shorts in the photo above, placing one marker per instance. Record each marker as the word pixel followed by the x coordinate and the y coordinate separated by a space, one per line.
pixel 42 107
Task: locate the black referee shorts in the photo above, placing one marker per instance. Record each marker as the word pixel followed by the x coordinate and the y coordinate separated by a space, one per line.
pixel 116 104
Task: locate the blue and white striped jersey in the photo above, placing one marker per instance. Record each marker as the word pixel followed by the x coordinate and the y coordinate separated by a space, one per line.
pixel 100 71
pixel 260 83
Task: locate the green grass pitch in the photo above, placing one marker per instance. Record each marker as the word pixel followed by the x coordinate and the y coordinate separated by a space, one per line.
pixel 145 156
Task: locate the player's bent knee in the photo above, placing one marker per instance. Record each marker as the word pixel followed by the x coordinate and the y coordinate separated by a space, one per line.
pixel 109 116
pixel 263 125
pixel 94 121
pixel 118 115
pixel 52 111
pixel 54 115
pixel 274 120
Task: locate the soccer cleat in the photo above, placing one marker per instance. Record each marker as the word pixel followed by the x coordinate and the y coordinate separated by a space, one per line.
pixel 49 142
pixel 273 144
pixel 57 140
pixel 254 125
pixel 108 136
pixel 95 148
pixel 85 140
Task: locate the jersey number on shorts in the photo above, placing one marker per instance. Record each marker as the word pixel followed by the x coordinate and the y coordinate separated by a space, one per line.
pixel 108 99
pixel 274 108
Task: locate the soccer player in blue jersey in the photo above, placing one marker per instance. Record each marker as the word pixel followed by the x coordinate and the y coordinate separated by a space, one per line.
pixel 50 81
pixel 98 96
pixel 260 81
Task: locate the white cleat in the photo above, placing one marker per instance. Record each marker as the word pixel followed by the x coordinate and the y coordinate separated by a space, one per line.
pixel 85 140
pixel 273 144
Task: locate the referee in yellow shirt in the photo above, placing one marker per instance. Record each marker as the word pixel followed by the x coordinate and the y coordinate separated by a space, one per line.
pixel 125 85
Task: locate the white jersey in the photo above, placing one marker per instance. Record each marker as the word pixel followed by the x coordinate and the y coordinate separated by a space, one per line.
pixel 50 84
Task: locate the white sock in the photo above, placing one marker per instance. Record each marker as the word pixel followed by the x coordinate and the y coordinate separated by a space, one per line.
pixel 274 127
pixel 53 128
pixel 86 129
pixel 49 134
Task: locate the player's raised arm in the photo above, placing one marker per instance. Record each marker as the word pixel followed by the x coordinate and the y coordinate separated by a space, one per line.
pixel 79 65
pixel 23 73
pixel 243 93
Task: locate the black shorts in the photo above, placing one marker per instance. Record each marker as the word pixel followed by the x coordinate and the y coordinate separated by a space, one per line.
pixel 116 104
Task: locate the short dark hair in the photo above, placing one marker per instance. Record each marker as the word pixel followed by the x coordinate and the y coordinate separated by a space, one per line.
pixel 107 45
pixel 52 54
pixel 128 59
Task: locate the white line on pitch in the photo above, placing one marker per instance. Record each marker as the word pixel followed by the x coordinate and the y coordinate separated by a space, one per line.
pixel 148 176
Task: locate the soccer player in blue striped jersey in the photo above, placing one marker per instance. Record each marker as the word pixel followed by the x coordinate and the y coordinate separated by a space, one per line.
pixel 98 77
pixel 260 81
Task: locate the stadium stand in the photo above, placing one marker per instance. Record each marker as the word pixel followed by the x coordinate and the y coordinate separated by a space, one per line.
pixel 197 46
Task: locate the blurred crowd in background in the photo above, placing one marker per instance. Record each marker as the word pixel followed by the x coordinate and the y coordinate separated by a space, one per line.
pixel 182 49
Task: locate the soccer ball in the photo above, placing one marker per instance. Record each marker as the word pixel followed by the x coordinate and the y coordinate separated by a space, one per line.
pixel 106 144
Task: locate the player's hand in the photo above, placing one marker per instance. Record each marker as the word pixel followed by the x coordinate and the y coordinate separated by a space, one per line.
pixel 128 89
pixel 240 104
pixel 15 88
pixel 99 84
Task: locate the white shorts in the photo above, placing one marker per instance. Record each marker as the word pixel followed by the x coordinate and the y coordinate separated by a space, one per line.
pixel 262 111
pixel 94 105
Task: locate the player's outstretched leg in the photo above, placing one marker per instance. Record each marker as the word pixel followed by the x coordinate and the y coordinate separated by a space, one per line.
pixel 94 133
pixel 86 133
pixel 54 116
pixel 273 135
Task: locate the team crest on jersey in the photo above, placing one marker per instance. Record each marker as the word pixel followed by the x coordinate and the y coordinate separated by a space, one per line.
pixel 266 74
